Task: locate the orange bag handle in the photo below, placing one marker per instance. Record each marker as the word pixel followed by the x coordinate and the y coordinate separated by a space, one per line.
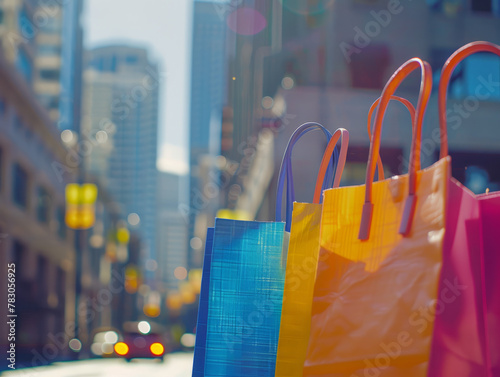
pixel 423 99
pixel 343 134
pixel 448 68
pixel 411 109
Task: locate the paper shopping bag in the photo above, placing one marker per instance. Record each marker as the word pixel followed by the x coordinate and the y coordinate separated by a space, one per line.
pixel 380 259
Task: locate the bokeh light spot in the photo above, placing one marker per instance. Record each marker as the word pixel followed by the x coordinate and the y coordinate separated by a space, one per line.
pixel 157 349
pixel 121 348
pixel 101 136
pixel 133 219
pixel 188 340
pixel 267 102
pixel 180 273
pixel 287 82
pixel 196 243
pixel 67 136
pixel 107 348
pixel 75 345
pixel 111 337
pixel 246 21
pixel 144 327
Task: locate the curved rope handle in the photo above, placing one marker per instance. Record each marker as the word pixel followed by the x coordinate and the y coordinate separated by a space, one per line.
pixel 446 73
pixel 423 99
pixel 343 134
pixel 301 131
pixel 411 109
pixel 285 171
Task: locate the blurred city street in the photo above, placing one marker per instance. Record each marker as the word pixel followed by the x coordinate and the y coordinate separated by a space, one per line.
pixel 128 127
pixel 174 365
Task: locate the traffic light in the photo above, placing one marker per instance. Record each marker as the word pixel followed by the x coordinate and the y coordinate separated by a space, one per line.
pixel 80 205
pixel 152 306
pixel 122 235
pixel 131 279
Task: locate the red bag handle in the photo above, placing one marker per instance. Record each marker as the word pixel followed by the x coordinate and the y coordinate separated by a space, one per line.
pixel 374 105
pixel 343 134
pixel 423 99
pixel 448 68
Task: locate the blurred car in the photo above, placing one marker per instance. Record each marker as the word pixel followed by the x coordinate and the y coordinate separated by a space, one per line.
pixel 142 340
pixel 103 341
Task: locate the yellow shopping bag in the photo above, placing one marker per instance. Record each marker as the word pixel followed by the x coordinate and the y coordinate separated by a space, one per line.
pixel 380 259
pixel 302 260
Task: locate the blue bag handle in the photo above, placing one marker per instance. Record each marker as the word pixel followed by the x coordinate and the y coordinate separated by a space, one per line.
pixel 286 171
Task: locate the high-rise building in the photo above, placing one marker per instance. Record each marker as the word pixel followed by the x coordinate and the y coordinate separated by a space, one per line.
pixel 44 41
pixel 71 67
pixel 17 36
pixel 208 77
pixel 121 125
pixel 172 232
pixel 48 55
pixel 33 235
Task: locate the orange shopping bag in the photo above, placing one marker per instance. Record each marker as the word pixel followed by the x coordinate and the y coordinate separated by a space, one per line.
pixel 302 261
pixel 381 255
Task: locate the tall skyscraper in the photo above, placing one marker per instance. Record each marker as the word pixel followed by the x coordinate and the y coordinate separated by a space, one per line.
pixel 48 55
pixel 71 67
pixel 17 35
pixel 121 124
pixel 208 77
pixel 44 41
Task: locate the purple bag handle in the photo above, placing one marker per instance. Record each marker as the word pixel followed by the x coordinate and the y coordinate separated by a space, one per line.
pixel 286 171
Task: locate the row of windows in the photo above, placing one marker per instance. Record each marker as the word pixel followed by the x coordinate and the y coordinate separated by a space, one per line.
pixel 464 82
pixel 483 6
pixel 110 63
pixel 43 205
pixel 49 50
pixel 35 143
pixel 36 289
pixel 50 74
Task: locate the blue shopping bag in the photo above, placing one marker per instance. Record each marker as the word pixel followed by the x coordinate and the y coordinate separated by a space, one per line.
pixel 242 289
pixel 201 323
pixel 246 290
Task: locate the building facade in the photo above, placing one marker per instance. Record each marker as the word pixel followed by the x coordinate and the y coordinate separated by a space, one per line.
pixel 33 234
pixel 331 61
pixel 121 123
pixel 71 67
pixel 208 88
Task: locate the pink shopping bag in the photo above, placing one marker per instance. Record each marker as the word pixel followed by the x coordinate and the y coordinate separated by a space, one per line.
pixel 466 339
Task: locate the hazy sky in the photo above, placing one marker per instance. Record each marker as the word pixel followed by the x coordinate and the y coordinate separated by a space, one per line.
pixel 164 27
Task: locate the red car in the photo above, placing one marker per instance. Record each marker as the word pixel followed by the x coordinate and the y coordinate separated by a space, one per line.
pixel 141 340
